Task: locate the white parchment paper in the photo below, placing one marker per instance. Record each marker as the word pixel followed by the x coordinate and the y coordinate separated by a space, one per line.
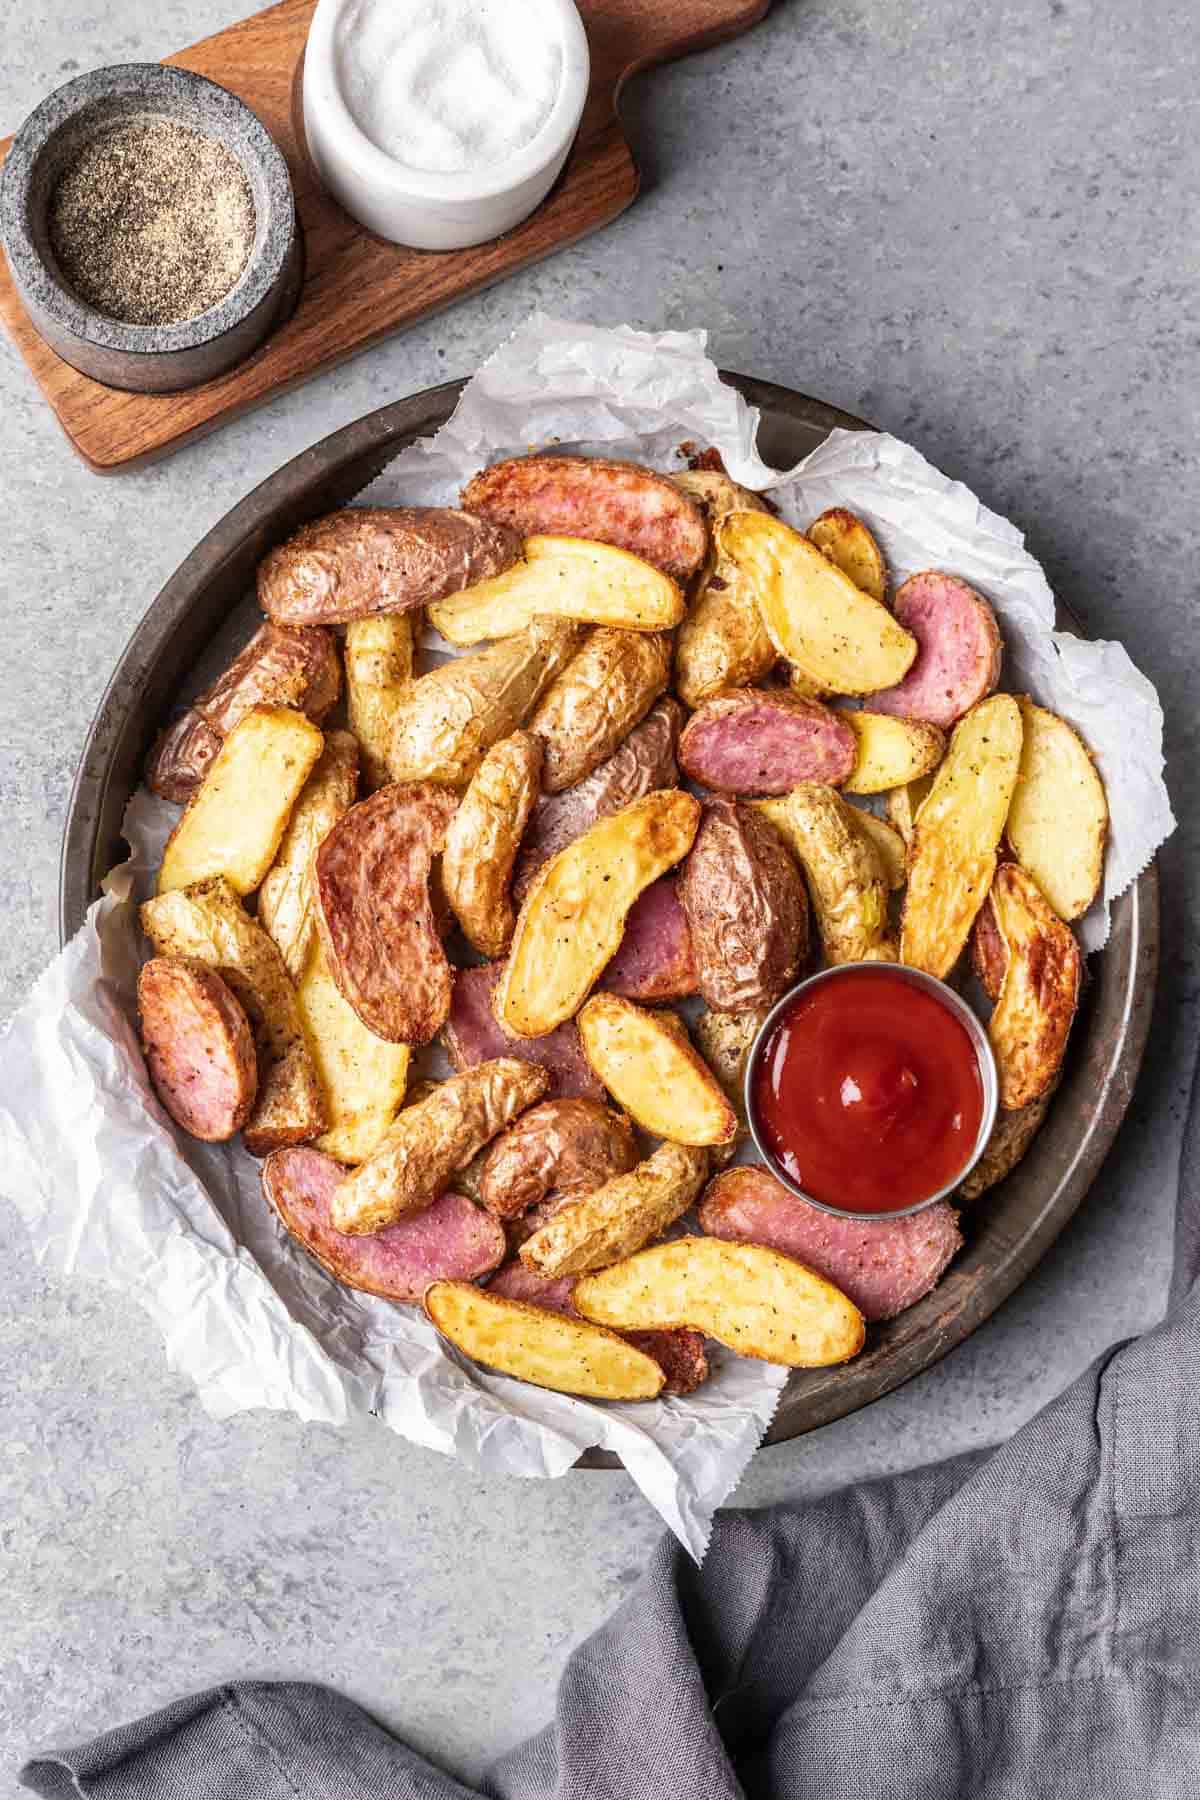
pixel 106 1186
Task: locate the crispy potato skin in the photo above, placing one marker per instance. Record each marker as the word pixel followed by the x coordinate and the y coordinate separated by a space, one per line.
pixel 956 835
pixel 282 665
pixel 755 1300
pixel 645 1059
pixel 573 917
pixel 846 541
pixel 1040 991
pixel 379 559
pixel 545 1348
pixel 846 882
pixel 604 691
pixel 473 1034
pixel 723 642
pixel 234 822
pixel 379 666
pixel 655 960
pixel 765 741
pixel 431 1140
pixel 1014 1132
pixel 451 1239
pixel 725 1040
pixel 1058 820
pixel 887 844
pixel 286 908
pixel 746 907
pixel 989 953
pixel 958 661
pixel 482 840
pixel 590 497
pixel 558 1147
pixel 891 751
pixel 444 723
pixel 641 765
pixel 592 1230
pixel 199 1047
pixel 210 923
pixel 902 806
pixel 371 881
pixel 564 578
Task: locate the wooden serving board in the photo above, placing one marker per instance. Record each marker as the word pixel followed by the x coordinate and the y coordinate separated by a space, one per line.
pixel 357 288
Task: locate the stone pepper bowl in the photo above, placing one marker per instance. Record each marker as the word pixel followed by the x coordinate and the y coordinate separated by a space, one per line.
pixel 148 359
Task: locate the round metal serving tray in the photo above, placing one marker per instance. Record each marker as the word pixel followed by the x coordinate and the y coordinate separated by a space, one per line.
pixel 1007 1232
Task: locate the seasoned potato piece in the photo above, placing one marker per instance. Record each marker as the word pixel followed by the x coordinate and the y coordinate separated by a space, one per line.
pixel 574 914
pixel 1040 991
pixel 757 1301
pixel 680 1354
pixel 1011 1137
pixel 379 559
pixel 286 908
pixel 656 960
pixel 989 953
pixel 473 1034
pixel 891 751
pixel 450 1240
pixel 563 578
pixel 833 632
pixel 594 497
pixel 723 642
pixel 236 818
pixel 716 494
pixel 379 666
pixel 362 1076
pixel 558 1147
pixel 615 1220
pixel 846 882
pixel 846 541
pixel 209 922
pixel 199 1047
pixel 605 689
pixel 282 665
pixel 545 1348
pixel 746 906
pixel 887 844
pixel 725 1040
pixel 646 1061
pixel 959 654
pixel 903 805
pixel 444 723
pixel 957 831
pixel 764 741
pixel 483 837
pixel 371 885
pixel 430 1140
pixel 1058 820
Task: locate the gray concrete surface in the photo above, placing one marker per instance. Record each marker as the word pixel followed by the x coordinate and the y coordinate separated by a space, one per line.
pixel 974 224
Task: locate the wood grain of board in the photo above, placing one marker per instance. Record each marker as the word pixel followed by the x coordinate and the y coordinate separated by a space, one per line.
pixel 357 288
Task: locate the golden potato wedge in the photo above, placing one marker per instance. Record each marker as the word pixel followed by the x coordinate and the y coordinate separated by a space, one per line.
pixel 285 899
pixel 604 691
pixel 444 723
pixel 483 837
pixel 617 1218
pixel 362 1076
pixel 956 835
pixel 430 1140
pixel 563 578
pixel 723 642
pixel 209 922
pixel 887 843
pixel 573 917
pixel 1011 1137
pixel 549 1349
pixel 846 880
pixel 234 822
pixel 725 1040
pixel 757 1301
pixel 891 751
pixel 1058 820
pixel 379 666
pixel 646 1061
pixel 851 545
pixel 903 805
pixel 1032 1018
pixel 817 619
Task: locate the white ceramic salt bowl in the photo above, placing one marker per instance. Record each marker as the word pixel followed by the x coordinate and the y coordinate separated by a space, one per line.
pixel 424 209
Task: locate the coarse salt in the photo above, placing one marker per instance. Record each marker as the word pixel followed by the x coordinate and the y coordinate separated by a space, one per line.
pixel 447 86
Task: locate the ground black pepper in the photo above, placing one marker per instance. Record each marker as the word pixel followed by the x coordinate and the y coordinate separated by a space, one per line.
pixel 153 222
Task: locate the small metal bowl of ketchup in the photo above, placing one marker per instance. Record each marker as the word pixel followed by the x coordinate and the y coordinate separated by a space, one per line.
pixel 871 1089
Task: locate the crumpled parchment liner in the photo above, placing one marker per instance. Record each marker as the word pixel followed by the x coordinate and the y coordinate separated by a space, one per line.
pixel 105 1186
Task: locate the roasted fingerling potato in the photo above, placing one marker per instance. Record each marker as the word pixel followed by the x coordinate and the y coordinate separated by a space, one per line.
pixel 546 1348
pixel 890 752
pixel 379 666
pixel 887 844
pixel 286 907
pixel 1011 1138
pixel 563 578
pixel 362 1077
pixel 617 1218
pixel 722 643
pixel 645 1059
pixel 483 837
pixel 559 1147
pixel 851 546
pixel 1058 820
pixel 606 688
pixel 1039 993
pixel 846 880
pixel 746 907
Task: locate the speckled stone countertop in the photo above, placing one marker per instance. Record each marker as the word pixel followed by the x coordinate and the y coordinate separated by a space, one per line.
pixel 974 225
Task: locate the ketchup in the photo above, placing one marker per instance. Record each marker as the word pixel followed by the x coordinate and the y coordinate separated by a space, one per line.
pixel 867 1092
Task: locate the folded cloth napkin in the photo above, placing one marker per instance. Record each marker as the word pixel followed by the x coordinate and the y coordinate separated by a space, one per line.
pixel 1014 1623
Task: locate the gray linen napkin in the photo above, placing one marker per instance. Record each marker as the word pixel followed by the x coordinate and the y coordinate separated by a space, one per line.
pixel 1016 1623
